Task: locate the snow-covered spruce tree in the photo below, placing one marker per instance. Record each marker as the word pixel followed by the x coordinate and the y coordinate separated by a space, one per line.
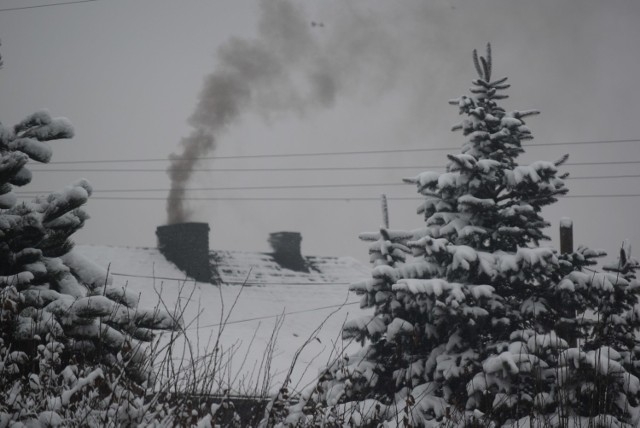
pixel 71 342
pixel 474 324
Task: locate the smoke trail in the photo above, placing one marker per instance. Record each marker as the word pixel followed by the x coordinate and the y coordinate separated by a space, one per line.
pixel 263 73
pixel 294 65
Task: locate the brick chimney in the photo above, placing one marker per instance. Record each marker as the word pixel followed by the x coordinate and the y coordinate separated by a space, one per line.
pixel 286 250
pixel 187 245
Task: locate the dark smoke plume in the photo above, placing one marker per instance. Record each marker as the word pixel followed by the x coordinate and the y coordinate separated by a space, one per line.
pixel 252 73
pixel 295 65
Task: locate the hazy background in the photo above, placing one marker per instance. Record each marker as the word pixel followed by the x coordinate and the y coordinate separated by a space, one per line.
pixel 316 76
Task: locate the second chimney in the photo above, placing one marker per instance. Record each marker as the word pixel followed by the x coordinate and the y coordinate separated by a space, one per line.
pixel 286 250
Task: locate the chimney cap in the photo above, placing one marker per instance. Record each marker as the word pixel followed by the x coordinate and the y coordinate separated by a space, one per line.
pixel 285 234
pixel 186 223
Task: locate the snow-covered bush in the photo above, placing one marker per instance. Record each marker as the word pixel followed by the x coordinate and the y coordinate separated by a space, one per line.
pixel 72 344
pixel 471 323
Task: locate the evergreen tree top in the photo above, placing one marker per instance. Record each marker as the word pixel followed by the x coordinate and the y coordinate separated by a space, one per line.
pixel 486 199
pixel 493 133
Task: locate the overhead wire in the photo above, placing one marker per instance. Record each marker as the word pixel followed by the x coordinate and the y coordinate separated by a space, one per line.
pixel 605 195
pixel 300 169
pixel 285 169
pixel 266 199
pixel 297 186
pixel 335 153
pixel 313 199
pixel 7 9
pixel 301 311
pixel 129 275
pixel 292 186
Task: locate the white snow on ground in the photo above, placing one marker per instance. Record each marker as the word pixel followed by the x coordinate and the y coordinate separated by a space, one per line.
pixel 257 311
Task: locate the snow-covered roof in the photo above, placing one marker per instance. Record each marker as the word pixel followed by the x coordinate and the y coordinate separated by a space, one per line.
pixel 301 301
pixel 232 267
pixel 235 267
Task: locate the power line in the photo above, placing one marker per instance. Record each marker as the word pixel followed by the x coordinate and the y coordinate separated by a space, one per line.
pixel 604 195
pixel 293 186
pixel 576 143
pixel 267 199
pixel 299 169
pixel 597 177
pixel 329 168
pixel 258 156
pixel 284 169
pixel 600 163
pixel 309 199
pixel 313 154
pixel 296 186
pixel 301 311
pixel 46 5
pixel 129 275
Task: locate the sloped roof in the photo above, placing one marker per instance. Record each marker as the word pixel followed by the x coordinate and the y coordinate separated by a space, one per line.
pixel 140 262
pixel 236 267
pixel 232 267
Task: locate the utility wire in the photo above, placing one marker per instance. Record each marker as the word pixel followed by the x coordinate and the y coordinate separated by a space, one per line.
pixel 46 5
pixel 600 163
pixel 265 155
pixel 293 186
pixel 628 195
pixel 306 199
pixel 296 186
pixel 267 199
pixel 598 177
pixel 281 314
pixel 186 279
pixel 354 152
pixel 327 168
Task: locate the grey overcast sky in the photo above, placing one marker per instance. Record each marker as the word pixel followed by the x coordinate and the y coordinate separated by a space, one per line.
pixel 318 76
